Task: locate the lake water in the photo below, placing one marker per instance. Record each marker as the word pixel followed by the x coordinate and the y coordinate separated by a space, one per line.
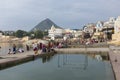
pixel 61 67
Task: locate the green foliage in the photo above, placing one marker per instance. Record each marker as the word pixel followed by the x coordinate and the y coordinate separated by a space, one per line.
pixel 21 33
pixel 33 34
pixel 2 32
pixel 36 34
pixel 45 33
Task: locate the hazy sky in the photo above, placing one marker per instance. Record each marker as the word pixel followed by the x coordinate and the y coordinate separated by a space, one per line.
pixel 25 14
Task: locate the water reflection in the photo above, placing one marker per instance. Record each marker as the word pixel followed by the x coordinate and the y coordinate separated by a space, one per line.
pixel 81 63
pixel 47 58
pixel 99 56
pixel 68 61
pixel 61 67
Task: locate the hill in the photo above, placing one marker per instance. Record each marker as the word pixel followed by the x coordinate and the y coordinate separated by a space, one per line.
pixel 45 25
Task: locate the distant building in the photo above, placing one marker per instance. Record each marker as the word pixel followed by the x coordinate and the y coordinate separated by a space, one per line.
pixel 117 25
pixel 8 33
pixel 99 26
pixel 89 29
pixel 55 32
pixel 78 33
pixel 108 28
pixel 110 23
pixel 69 32
pixel 115 36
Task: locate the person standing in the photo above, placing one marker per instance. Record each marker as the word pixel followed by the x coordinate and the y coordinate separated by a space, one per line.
pixel 14 49
pixel 27 47
pixel 35 49
pixel 40 46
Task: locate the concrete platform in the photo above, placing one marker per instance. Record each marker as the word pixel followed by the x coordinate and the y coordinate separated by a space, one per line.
pixel 78 50
pixel 115 61
pixel 18 58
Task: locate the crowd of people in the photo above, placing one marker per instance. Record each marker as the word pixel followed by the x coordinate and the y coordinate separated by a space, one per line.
pixel 14 50
pixel 40 47
pixel 36 47
pixel 43 47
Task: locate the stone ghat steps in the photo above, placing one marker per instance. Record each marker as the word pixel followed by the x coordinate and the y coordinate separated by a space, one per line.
pixel 115 61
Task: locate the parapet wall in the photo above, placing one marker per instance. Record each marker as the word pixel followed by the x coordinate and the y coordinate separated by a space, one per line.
pixel 78 50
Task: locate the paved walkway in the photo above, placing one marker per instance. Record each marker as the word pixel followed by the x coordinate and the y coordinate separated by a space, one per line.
pixel 8 57
pixel 115 61
pixel 71 50
pixel 14 59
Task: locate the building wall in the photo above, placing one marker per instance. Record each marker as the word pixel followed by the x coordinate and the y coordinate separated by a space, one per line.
pixel 117 25
pixel 53 32
pixel 116 37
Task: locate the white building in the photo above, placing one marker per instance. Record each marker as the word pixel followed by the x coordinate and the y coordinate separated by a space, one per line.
pixel 73 32
pixel 99 26
pixel 89 28
pixel 78 33
pixel 117 25
pixel 55 32
pixel 69 31
pixel 110 23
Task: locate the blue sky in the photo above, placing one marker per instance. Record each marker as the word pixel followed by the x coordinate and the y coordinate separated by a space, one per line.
pixel 25 14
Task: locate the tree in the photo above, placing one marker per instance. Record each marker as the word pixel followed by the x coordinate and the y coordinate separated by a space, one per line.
pixel 36 34
pixel 45 33
pixel 21 33
pixel 2 32
pixel 31 34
